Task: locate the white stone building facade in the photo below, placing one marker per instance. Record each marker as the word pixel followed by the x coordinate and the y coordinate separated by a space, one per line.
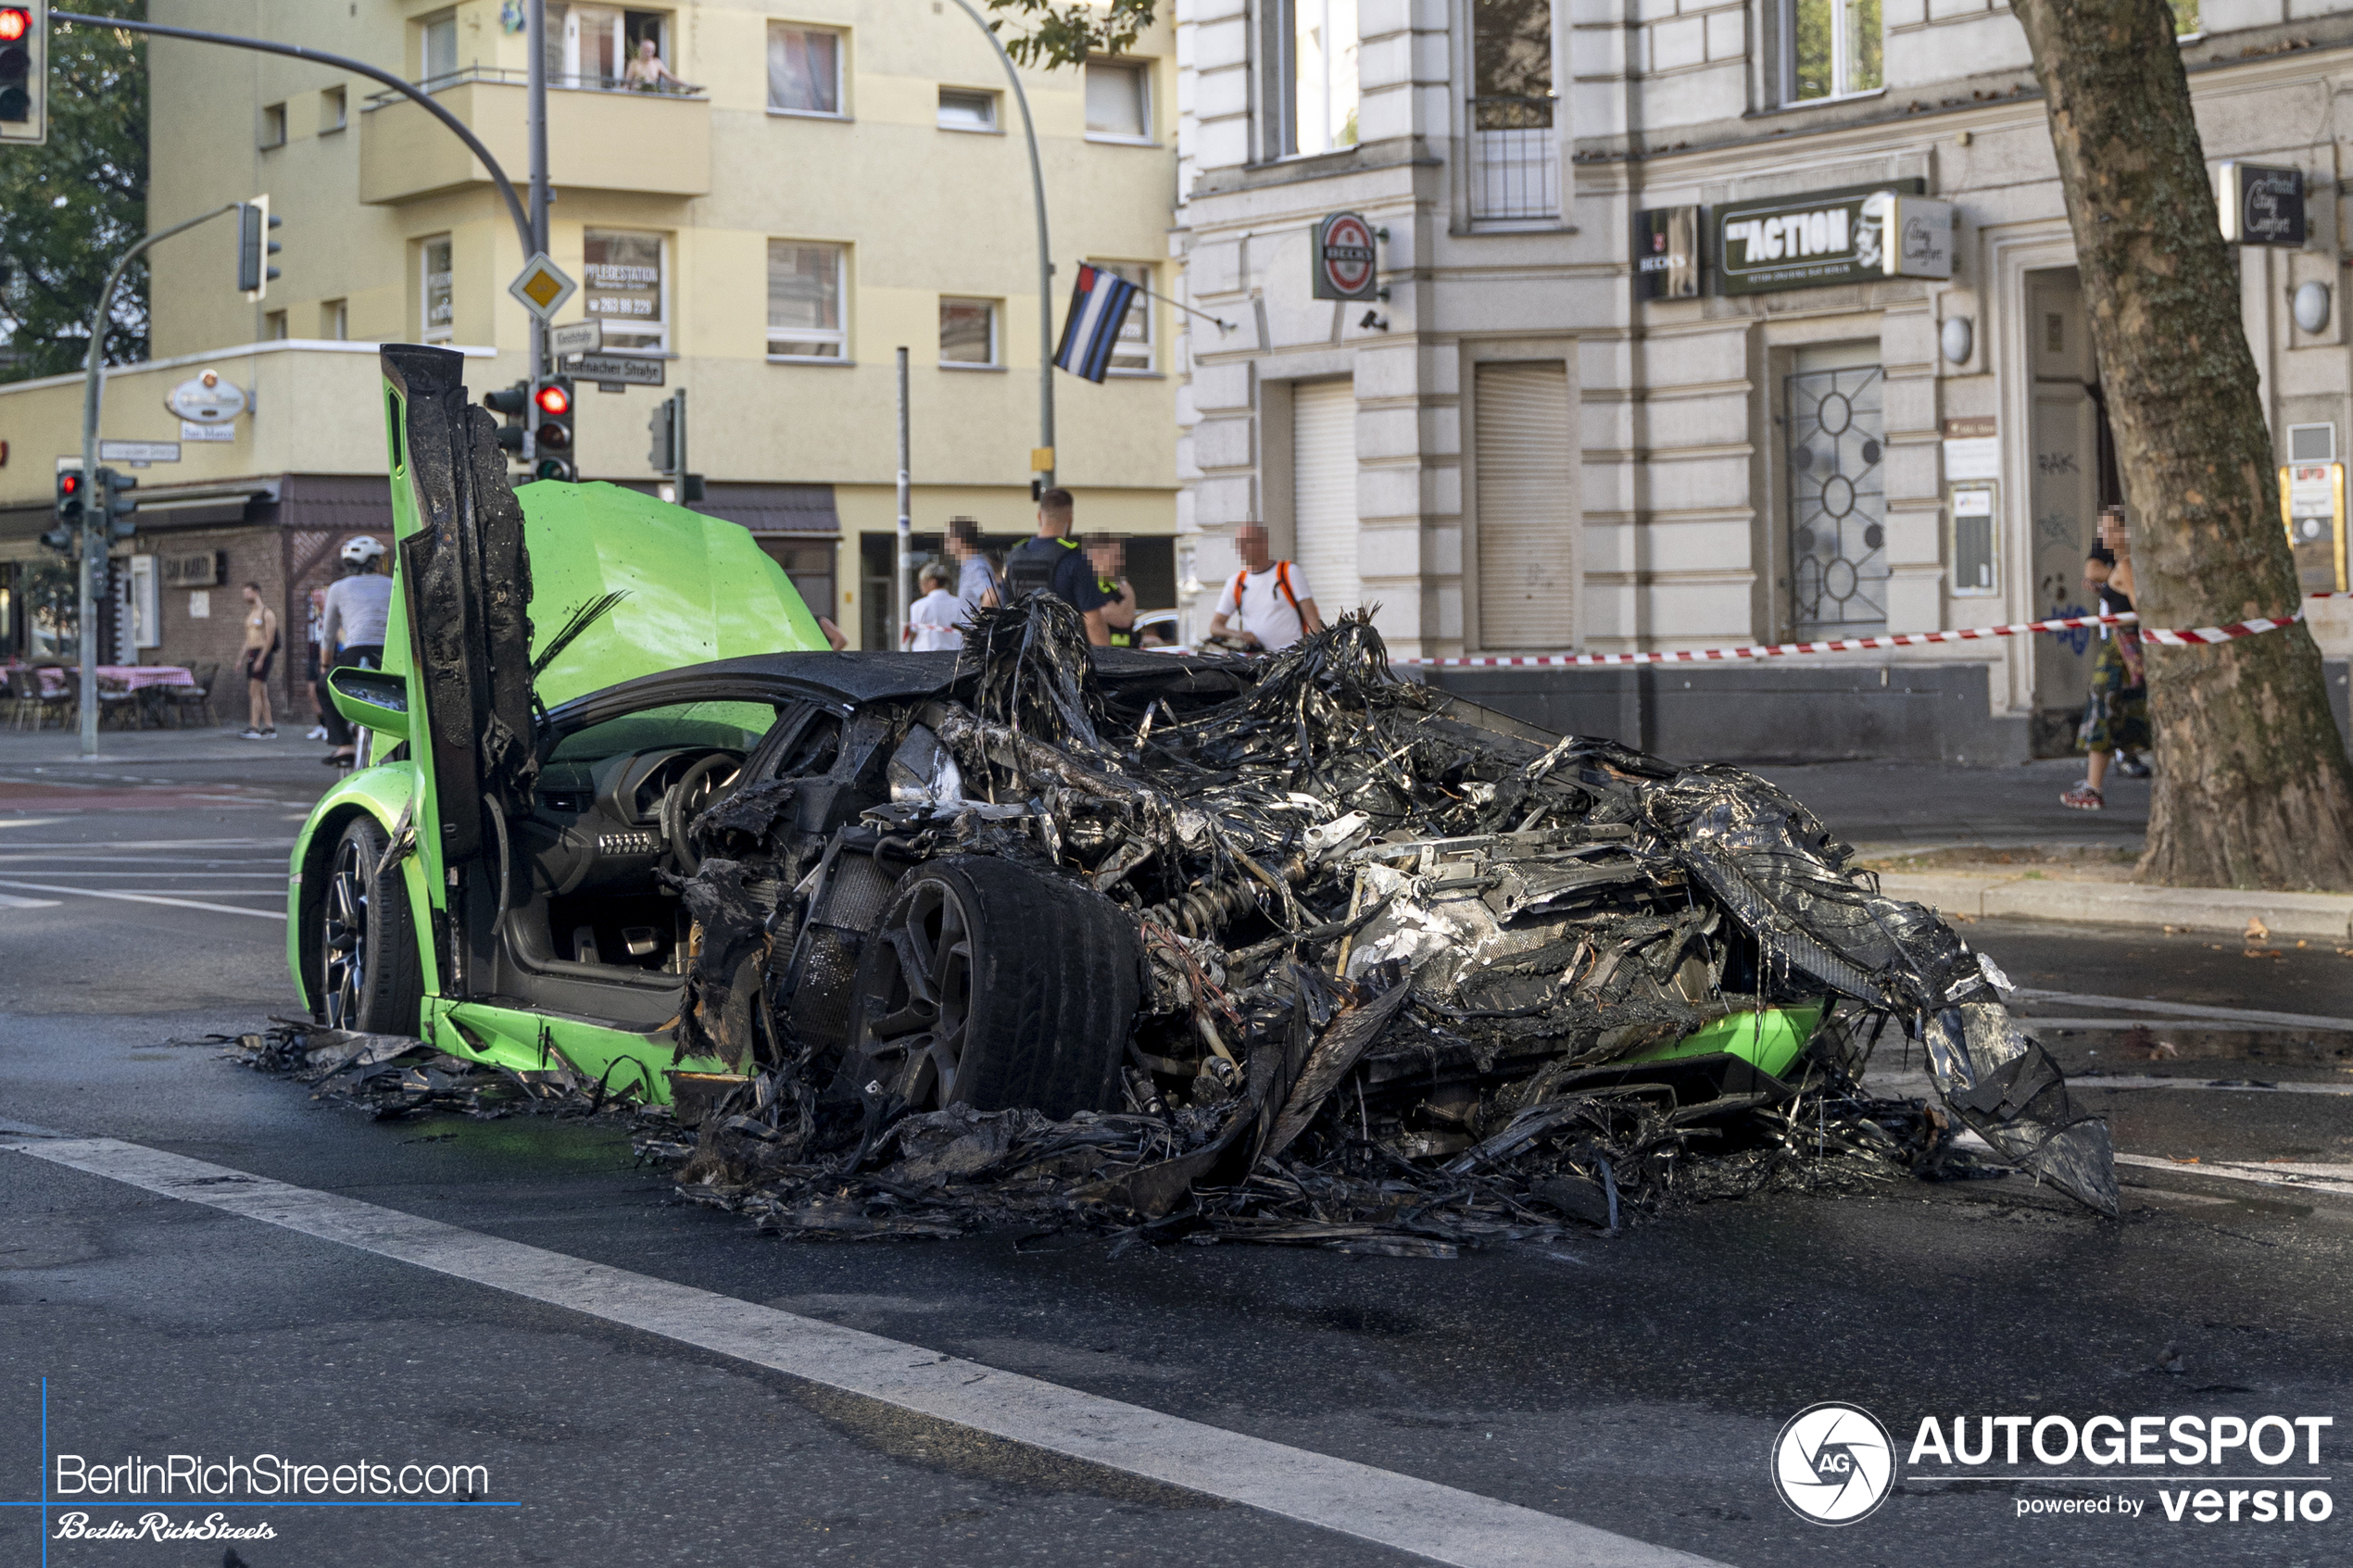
pixel 1512 453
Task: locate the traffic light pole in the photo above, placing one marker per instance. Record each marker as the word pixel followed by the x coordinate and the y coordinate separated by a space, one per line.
pixel 536 129
pixel 97 513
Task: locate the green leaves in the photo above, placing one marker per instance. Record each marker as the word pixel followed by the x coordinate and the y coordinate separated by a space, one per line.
pixel 1066 34
pixel 70 207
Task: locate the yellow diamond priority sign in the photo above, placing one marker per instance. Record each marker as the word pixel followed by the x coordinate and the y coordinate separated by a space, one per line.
pixel 542 286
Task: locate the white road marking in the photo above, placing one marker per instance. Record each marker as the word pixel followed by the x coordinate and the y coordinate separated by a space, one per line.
pixel 146 898
pixel 2337 1179
pixel 283 846
pixel 277 876
pixel 2178 1009
pixel 1902 1085
pixel 1443 1524
pixel 28 821
pixel 10 901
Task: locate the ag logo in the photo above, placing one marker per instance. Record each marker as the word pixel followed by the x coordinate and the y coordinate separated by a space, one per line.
pixel 1833 1463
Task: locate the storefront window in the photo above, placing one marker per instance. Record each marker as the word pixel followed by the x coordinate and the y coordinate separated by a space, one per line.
pixel 1834 48
pixel 437 305
pixel 624 289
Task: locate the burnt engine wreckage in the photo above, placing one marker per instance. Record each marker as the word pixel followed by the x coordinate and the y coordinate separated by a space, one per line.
pixel 1294 950
pixel 1286 949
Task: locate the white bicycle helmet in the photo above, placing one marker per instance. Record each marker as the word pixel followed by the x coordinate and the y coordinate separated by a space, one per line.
pixel 362 550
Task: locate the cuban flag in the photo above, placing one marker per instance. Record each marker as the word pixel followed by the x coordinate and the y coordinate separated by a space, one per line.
pixel 1098 307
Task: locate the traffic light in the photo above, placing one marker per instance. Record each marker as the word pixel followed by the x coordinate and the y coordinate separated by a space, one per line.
pixel 24 72
pixel 113 493
pixel 664 455
pixel 60 537
pixel 551 433
pixel 255 247
pixel 512 404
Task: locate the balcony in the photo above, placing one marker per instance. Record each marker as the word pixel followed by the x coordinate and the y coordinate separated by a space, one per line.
pixel 1515 171
pixel 600 138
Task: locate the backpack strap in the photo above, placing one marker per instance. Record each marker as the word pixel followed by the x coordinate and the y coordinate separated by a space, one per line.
pixel 1282 581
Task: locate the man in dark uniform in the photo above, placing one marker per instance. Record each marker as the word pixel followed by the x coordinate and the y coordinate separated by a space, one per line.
pixel 1052 563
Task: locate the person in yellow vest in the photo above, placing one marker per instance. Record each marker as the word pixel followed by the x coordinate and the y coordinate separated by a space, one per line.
pixel 1108 556
pixel 1269 597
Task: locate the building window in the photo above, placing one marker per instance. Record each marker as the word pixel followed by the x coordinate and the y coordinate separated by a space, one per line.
pixel 592 46
pixel 804 71
pixel 805 289
pixel 273 125
pixel 437 53
pixel 1133 355
pixel 1515 150
pixel 437 301
pixel 968 331
pixel 1118 101
pixel 335 320
pixel 273 325
pixel 1834 48
pixel 964 108
pixel 1315 42
pixel 334 110
pixel 624 288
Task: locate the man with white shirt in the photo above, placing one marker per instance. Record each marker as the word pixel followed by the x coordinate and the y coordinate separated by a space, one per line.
pixel 351 630
pixel 1269 597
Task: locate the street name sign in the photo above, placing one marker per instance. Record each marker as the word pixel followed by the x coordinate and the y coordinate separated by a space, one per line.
pixel 138 451
pixel 628 370
pixel 576 337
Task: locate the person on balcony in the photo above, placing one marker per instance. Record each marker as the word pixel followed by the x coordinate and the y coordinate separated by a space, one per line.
pixel 646 72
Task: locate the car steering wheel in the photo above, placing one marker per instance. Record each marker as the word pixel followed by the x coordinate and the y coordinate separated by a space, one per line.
pixel 683 802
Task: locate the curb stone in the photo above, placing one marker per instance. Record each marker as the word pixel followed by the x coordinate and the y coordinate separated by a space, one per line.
pixel 2328 916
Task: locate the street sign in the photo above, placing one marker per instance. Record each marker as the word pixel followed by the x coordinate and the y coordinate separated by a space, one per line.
pixel 138 451
pixel 2260 203
pixel 207 399
pixel 1345 259
pixel 576 337
pixel 630 369
pixel 542 286
pixel 190 431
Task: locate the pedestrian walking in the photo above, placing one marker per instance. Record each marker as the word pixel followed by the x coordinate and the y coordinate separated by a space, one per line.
pixel 2116 722
pixel 351 631
pixel 1269 599
pixel 975 579
pixel 1108 555
pixel 1051 562
pixel 262 648
pixel 931 620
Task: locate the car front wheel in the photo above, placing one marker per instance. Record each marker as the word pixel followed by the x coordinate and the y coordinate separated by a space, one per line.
pixel 371 980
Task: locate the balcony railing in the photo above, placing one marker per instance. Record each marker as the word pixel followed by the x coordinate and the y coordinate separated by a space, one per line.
pixel 1515 152
pixel 513 77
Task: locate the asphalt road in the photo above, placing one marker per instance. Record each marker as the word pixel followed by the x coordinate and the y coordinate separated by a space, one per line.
pixel 1633 1384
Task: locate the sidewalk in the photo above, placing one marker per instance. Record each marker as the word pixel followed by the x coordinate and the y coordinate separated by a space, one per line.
pixel 1889 810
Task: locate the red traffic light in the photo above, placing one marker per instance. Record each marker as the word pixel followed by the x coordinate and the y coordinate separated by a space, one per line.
pixel 554 399
pixel 69 485
pixel 14 23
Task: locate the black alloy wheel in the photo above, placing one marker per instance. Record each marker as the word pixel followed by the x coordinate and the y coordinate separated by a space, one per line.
pixel 371 978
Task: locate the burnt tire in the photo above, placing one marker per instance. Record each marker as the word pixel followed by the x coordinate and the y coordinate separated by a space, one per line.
pixel 990 984
pixel 370 979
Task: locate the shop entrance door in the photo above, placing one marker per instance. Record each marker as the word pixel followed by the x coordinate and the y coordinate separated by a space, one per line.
pixel 1838 520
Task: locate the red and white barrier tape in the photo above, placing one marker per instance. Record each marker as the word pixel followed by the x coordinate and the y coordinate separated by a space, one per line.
pixel 2172 637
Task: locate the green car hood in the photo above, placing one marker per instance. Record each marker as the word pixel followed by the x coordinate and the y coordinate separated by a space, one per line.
pixel 694 588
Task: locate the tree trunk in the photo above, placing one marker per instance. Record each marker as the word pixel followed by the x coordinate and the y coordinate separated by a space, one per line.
pixel 2253 788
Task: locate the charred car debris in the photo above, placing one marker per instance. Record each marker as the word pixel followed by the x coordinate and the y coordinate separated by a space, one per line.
pixel 1287 950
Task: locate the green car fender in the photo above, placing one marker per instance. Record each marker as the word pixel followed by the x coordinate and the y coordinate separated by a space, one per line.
pixel 390 792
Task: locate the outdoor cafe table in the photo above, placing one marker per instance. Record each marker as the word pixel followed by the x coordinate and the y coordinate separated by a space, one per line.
pixel 122 677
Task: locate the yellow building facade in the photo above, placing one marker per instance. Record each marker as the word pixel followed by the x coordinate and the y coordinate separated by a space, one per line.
pixel 804 188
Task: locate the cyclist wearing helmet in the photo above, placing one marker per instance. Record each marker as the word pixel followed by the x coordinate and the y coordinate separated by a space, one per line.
pixel 351 630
